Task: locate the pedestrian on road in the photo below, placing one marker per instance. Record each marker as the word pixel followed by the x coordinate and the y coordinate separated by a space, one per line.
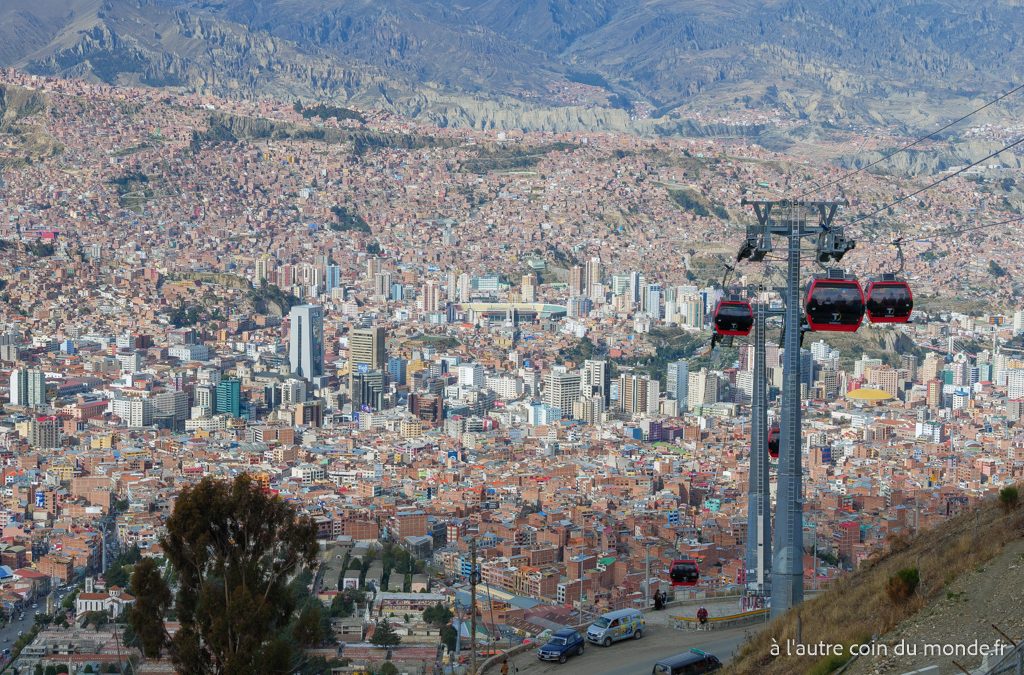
pixel 504 666
pixel 702 618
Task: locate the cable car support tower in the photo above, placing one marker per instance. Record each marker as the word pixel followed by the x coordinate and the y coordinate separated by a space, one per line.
pixel 759 523
pixel 798 220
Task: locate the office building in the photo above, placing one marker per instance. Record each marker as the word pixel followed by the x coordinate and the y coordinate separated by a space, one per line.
pixel 229 397
pixel 306 341
pixel 677 382
pixel 703 388
pixel 28 388
pixel 561 388
pixel 595 380
pixel 1015 383
pixel 366 348
pixel 638 394
pixel 431 297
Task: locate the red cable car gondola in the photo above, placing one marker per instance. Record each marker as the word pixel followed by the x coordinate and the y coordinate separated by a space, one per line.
pixel 889 300
pixel 773 441
pixel 733 317
pixel 834 303
pixel 684 572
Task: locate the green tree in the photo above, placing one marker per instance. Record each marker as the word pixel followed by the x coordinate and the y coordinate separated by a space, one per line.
pixel 98 619
pixel 1009 497
pixel 437 615
pixel 38 670
pixel 233 548
pixel 449 637
pixel 152 598
pixel 388 668
pixel 309 628
pixel 117 575
pixel 902 585
pixel 384 635
pixel 50 670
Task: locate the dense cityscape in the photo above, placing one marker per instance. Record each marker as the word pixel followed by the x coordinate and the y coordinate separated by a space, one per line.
pixel 442 344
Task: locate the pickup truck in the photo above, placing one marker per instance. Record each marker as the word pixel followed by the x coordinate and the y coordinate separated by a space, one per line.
pixel 561 645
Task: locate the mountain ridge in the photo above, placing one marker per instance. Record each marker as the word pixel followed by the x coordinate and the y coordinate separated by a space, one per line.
pixel 860 62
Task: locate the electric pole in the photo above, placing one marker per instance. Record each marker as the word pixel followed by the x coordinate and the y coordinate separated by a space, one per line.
pixel 647 576
pixel 472 605
pixel 787 589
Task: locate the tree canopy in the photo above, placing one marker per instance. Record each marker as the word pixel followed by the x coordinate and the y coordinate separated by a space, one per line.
pixel 384 635
pixel 233 548
pixel 152 598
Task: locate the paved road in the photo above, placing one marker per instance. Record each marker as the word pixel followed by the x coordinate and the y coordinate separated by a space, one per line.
pixel 9 633
pixel 637 657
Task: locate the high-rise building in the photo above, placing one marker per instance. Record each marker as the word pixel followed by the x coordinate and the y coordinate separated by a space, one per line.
pixel 332 277
pixel 470 375
pixel 366 348
pixel 933 398
pixel 368 390
pixel 652 301
pixel 638 394
pixel 561 388
pixel 306 341
pixel 703 388
pixel 263 267
pixel 595 380
pixel 576 280
pixel 44 432
pixel 431 297
pixel 930 368
pixel 636 282
pixel 28 387
pixel 693 312
pixel 134 412
pixel 529 291
pixel 908 362
pixel 397 369
pixel 172 405
pixel 592 275
pixel 373 265
pixel 229 397
pixel 887 379
pixel 677 382
pixel 620 284
pixel 1015 383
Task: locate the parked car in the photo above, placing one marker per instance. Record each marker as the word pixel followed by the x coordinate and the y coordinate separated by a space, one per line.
pixel 562 644
pixel 693 662
pixel 618 625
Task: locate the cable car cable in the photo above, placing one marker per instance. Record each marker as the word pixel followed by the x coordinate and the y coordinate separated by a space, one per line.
pixel 952 233
pixel 935 184
pixel 892 154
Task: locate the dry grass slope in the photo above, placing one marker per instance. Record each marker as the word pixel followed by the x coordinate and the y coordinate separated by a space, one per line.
pixel 859 605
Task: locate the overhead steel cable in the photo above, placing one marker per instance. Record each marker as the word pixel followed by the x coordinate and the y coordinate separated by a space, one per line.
pixel 936 183
pixel 913 143
pixel 949 233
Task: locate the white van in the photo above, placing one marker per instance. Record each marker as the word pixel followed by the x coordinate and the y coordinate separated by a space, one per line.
pixel 617 625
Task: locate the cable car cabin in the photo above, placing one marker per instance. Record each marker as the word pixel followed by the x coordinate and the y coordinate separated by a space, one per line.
pixel 773 441
pixel 733 317
pixel 834 304
pixel 684 573
pixel 889 300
